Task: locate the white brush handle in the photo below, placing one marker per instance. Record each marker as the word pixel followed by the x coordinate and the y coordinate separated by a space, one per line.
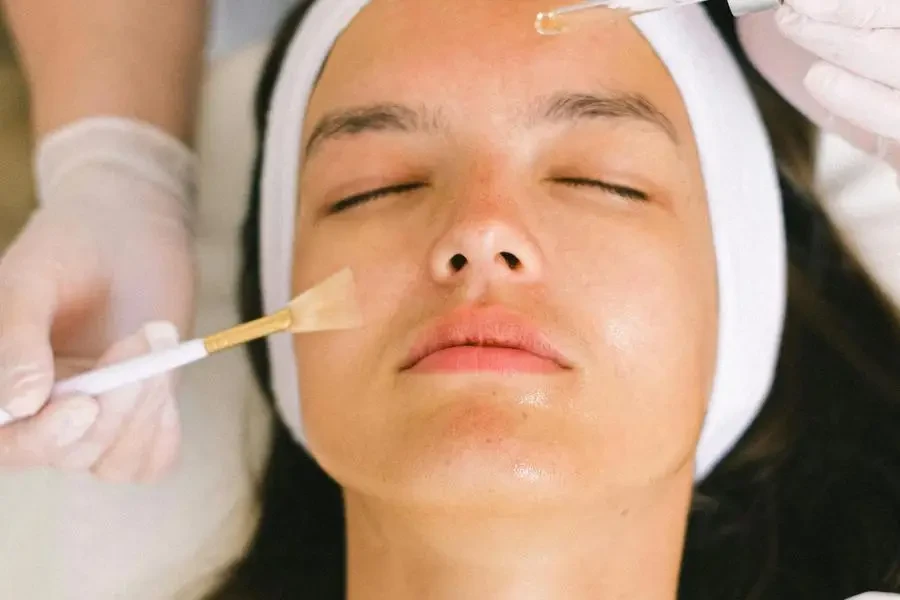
pixel 100 381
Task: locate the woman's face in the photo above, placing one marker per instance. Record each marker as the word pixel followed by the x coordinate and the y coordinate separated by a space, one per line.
pixel 527 224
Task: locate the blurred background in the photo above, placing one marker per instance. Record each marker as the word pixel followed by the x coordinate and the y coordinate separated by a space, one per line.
pixel 15 144
pixel 235 25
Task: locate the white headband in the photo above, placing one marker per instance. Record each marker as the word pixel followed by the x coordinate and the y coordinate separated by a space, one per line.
pixel 738 169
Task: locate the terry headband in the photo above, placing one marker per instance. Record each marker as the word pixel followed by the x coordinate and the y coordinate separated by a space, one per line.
pixel 741 184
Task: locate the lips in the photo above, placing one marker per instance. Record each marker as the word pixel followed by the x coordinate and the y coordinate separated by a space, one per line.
pixel 484 340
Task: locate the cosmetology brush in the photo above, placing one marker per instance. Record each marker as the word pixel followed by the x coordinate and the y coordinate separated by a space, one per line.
pixel 330 305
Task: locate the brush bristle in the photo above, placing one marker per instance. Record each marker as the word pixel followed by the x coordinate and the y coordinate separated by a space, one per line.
pixel 331 305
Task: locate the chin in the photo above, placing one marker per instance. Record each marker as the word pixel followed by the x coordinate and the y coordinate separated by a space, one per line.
pixel 481 453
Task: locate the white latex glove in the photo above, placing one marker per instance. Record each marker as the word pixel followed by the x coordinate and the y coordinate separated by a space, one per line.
pixel 108 250
pixel 838 62
pixel 876 596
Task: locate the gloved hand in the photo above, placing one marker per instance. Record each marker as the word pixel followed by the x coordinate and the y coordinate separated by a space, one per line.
pixel 108 250
pixel 838 62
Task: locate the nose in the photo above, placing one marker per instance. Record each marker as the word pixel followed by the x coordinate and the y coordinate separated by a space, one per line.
pixel 484 251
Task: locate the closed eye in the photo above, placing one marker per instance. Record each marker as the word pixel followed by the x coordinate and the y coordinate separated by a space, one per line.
pixel 619 190
pixel 358 199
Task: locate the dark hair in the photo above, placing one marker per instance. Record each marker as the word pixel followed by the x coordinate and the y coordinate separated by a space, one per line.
pixel 807 505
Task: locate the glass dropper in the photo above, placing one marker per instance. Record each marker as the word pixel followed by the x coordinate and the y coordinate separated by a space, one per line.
pixel 559 20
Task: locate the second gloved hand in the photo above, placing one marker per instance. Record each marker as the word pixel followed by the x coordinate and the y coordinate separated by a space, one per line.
pixel 109 249
pixel 858 75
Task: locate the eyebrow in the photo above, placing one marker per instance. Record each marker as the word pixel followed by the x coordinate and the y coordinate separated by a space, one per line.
pixel 628 106
pixel 563 107
pixel 375 117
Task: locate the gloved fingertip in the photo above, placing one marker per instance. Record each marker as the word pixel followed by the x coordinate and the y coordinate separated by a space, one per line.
pixel 786 17
pixel 24 392
pixel 161 335
pixel 71 418
pixel 825 11
pixel 822 78
pixel 150 337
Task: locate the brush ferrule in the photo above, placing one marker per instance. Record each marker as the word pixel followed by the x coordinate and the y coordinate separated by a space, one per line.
pixel 278 322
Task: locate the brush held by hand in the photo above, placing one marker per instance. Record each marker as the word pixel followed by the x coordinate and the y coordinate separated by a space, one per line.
pixel 331 305
pixel 108 250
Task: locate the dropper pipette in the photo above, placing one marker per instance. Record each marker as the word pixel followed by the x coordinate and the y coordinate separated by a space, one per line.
pixel 557 20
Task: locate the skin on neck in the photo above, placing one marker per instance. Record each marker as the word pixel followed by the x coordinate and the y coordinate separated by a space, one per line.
pixel 624 547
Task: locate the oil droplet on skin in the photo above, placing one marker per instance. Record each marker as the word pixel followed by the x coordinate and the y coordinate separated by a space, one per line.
pixel 559 20
pixel 530 473
pixel 534 398
pixel 549 23
pixel 564 20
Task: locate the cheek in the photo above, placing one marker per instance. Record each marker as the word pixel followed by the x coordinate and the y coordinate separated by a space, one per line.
pixel 659 311
pixel 340 372
pixel 651 304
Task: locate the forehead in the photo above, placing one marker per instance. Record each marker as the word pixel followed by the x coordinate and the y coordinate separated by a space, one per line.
pixel 479 56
